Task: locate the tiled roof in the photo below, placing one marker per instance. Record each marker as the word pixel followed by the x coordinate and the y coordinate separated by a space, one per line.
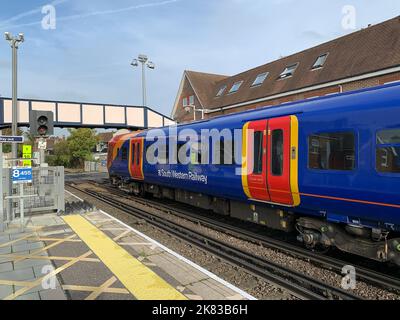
pixel 374 48
pixel 203 84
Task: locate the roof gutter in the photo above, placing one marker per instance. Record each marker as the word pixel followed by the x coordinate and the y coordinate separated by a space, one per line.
pixel 317 87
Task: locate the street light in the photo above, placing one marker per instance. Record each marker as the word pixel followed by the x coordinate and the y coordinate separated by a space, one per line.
pixel 144 60
pixel 191 106
pixel 14 42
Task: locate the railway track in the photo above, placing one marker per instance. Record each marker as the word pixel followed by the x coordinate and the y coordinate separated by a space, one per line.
pixel 300 285
pixel 370 276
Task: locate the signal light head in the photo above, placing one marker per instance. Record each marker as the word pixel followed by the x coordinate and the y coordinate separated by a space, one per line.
pixel 43 120
pixel 41 123
pixel 42 130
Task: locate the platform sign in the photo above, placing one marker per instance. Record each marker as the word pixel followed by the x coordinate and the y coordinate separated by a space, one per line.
pixel 42 145
pixel 21 175
pixel 11 139
pixel 27 154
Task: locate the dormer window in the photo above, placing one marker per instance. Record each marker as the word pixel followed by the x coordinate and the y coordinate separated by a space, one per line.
pixel 221 91
pixel 236 86
pixel 320 61
pixel 260 79
pixel 289 71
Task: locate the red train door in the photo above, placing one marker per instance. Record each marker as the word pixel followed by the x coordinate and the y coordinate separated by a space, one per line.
pixel 279 135
pixel 257 187
pixel 270 169
pixel 136 159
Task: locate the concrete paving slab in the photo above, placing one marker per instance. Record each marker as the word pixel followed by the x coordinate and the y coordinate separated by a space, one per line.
pixel 29 296
pixel 28 263
pixel 5 250
pixel 205 291
pixel 18 275
pixel 57 295
pixel 5 291
pixel 27 247
pixel 5 267
pixel 4 239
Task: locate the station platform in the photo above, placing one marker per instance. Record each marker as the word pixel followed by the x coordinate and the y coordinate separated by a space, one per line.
pixel 93 256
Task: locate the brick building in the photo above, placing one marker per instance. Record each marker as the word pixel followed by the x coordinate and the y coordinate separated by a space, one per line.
pixel 365 58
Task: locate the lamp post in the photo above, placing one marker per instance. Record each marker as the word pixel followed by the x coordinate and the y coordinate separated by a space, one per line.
pixel 144 60
pixel 14 42
pixel 191 106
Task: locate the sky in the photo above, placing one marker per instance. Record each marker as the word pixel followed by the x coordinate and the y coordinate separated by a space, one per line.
pixel 87 56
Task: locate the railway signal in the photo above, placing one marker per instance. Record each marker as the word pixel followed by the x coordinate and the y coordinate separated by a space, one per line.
pixel 41 123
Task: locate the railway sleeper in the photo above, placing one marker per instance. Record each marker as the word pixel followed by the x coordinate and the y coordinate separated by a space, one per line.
pixel 316 232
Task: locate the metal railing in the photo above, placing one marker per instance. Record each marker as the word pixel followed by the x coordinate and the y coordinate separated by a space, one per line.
pixel 44 194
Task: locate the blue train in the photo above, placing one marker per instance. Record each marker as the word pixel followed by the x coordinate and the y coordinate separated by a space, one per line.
pixel 327 168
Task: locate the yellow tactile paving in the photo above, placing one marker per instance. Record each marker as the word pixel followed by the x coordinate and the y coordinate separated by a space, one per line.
pixel 142 282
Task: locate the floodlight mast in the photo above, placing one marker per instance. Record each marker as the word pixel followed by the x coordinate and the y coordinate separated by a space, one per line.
pixel 14 42
pixel 144 60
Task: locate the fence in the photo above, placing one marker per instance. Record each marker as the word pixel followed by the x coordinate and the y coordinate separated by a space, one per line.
pixel 91 166
pixel 44 194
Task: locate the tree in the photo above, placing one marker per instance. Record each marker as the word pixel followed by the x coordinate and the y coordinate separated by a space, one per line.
pixel 81 144
pixel 61 156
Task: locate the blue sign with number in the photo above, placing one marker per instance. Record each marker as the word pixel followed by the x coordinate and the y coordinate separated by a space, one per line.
pixel 21 175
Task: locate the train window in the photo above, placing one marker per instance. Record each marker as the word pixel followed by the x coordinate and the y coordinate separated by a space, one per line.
pixel 277 152
pixel 180 161
pixel 388 151
pixel 388 137
pixel 258 152
pixel 138 154
pixel 124 154
pixel 133 153
pixel 332 151
pixel 163 154
pixel 195 154
pixel 226 152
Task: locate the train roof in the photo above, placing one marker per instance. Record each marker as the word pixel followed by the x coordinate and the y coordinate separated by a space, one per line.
pixel 365 98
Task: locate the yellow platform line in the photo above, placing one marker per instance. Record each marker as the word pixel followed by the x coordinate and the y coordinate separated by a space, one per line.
pixel 142 282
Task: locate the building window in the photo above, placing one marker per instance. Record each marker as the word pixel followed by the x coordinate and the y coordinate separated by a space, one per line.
pixel 277 152
pixel 258 152
pixel 260 79
pixel 388 151
pixel 332 151
pixel 289 71
pixel 320 61
pixel 221 91
pixel 236 86
pixel 188 101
